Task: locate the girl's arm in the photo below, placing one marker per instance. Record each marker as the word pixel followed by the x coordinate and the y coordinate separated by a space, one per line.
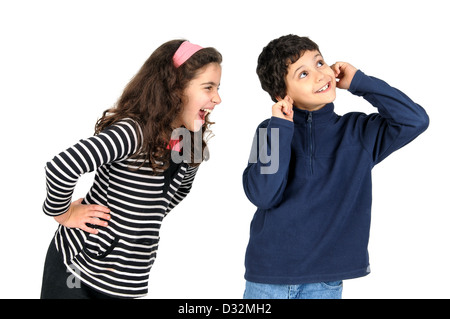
pixel 184 188
pixel 63 171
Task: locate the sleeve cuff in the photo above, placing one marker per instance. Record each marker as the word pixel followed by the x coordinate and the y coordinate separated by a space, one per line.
pixel 278 122
pixel 356 81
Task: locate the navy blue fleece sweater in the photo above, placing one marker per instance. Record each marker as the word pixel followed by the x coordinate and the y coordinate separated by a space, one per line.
pixel 313 213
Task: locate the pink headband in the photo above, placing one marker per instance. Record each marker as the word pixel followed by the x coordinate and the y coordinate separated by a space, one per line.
pixel 184 52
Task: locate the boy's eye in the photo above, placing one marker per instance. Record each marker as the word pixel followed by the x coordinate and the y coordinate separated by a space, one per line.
pixel 320 63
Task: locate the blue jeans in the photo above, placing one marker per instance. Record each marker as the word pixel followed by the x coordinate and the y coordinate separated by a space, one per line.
pixel 321 290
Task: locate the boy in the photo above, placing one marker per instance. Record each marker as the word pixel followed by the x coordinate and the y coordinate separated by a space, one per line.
pixel 311 228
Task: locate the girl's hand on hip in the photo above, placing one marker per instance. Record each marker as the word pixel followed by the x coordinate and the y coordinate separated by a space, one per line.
pixel 79 215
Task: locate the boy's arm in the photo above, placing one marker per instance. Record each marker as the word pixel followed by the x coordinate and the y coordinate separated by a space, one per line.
pixel 399 120
pixel 265 177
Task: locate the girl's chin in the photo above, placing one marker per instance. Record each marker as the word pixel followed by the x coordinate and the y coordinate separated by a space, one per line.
pixel 195 126
pixel 198 125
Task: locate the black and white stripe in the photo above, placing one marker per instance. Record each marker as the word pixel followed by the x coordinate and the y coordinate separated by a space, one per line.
pixel 118 259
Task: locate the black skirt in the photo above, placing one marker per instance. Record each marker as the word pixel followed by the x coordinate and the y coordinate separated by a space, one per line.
pixel 59 283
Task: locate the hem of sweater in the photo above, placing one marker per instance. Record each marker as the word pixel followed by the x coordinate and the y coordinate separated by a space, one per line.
pixel 307 279
pixel 119 292
pixel 97 282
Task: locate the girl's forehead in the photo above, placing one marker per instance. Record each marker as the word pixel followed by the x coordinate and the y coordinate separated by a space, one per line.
pixel 210 72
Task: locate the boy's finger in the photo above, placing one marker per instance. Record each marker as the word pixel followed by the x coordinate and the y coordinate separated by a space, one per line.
pixel 336 69
pixel 287 109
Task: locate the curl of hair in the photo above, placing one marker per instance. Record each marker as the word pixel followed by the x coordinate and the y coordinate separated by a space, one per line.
pixel 274 61
pixel 155 97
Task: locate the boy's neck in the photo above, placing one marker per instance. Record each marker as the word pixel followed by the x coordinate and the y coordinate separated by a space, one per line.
pixel 310 109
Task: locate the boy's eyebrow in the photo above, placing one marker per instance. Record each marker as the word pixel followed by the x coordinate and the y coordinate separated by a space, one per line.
pixel 315 58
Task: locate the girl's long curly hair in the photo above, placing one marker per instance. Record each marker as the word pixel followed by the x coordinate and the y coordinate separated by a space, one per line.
pixel 155 97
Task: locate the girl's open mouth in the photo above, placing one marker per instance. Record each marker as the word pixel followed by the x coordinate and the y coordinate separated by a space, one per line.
pixel 204 112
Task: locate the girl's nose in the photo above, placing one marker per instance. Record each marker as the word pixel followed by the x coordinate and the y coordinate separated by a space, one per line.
pixel 216 99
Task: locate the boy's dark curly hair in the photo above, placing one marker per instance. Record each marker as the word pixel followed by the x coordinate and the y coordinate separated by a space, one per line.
pixel 275 58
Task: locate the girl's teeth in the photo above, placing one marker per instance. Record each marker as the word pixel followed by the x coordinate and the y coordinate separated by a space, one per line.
pixel 206 110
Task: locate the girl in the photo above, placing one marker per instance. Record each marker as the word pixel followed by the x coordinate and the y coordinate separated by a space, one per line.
pixel 106 243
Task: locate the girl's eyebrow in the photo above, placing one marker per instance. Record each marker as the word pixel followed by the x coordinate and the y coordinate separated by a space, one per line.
pixel 211 83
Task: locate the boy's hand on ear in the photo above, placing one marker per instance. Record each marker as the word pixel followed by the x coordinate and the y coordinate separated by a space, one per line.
pixel 283 109
pixel 344 73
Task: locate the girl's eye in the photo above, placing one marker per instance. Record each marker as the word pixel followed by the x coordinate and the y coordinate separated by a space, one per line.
pixel 303 75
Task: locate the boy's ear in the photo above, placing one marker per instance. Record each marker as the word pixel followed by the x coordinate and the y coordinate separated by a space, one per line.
pixel 287 98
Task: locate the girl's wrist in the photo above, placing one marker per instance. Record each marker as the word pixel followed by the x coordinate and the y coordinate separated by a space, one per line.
pixel 61 219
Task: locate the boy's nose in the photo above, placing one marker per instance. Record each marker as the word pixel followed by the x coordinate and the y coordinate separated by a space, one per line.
pixel 320 76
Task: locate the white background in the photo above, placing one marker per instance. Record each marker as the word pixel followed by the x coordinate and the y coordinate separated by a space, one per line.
pixel 63 62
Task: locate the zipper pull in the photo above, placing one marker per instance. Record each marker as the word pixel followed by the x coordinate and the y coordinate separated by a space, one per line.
pixel 310 117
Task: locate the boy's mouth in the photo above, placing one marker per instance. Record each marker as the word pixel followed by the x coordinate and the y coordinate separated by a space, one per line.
pixel 324 88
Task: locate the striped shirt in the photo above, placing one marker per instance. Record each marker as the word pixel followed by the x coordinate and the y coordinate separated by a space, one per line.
pixel 118 259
